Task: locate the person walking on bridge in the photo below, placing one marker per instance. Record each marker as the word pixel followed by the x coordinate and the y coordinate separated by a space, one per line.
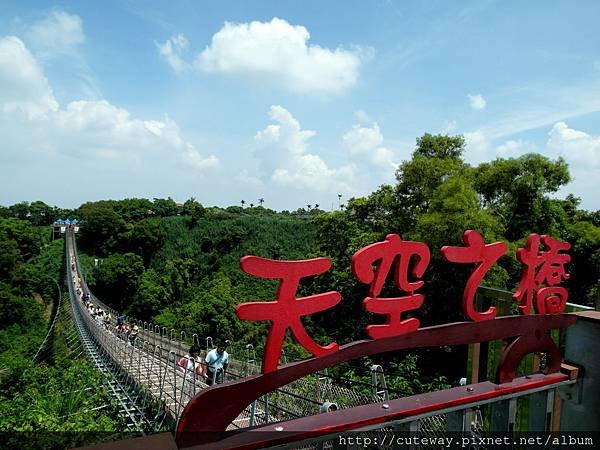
pixel 134 330
pixel 217 361
pixel 191 363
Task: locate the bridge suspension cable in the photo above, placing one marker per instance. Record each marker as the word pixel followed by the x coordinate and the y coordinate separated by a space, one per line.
pixel 52 325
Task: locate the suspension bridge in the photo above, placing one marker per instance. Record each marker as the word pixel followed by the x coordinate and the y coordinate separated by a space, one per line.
pixel 152 393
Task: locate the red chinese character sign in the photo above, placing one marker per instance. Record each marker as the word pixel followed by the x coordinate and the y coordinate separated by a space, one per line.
pixel 286 310
pixel 542 272
pixel 484 255
pixel 371 265
pixel 383 255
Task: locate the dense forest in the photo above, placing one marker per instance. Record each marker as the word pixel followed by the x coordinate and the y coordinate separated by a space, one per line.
pixel 177 265
pixel 50 396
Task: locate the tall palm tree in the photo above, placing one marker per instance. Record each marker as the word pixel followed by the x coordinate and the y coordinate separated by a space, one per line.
pixel 316 206
pixel 243 202
pixel 309 206
pixel 340 200
pixel 261 201
pixel 251 205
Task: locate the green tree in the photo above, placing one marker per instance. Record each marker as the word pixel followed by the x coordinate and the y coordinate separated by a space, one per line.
pixel 145 238
pixel 117 278
pixel 28 239
pixel 440 146
pixel 516 191
pixel 19 210
pixel 10 257
pixel 379 211
pixel 584 282
pixel 42 214
pixel 434 160
pixel 165 207
pixel 177 276
pixel 194 210
pixel 210 310
pixel 150 297
pixel 133 209
pixel 102 229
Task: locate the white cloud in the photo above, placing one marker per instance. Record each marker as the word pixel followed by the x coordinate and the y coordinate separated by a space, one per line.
pixel 577 147
pixel 367 142
pixel 23 86
pixel 361 116
pixel 245 178
pixel 59 32
pixel 477 102
pixel 582 152
pixel 476 146
pixel 386 158
pixel 57 40
pixel 280 51
pixel 173 51
pixel 287 133
pixel 363 139
pixel 196 160
pixel 34 125
pixel 282 151
pixel 515 148
pixel 449 127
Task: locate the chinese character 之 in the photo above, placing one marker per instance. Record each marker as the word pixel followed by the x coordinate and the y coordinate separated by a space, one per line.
pixel 485 255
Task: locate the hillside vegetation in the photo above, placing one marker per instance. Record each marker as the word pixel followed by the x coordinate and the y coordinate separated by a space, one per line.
pixel 178 265
pixel 45 392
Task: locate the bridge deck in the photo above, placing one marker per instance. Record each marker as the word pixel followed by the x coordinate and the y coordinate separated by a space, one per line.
pixel 151 362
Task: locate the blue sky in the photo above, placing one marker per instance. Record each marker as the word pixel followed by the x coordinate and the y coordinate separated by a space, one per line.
pixel 294 102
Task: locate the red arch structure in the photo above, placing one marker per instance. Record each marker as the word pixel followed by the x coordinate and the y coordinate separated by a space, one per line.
pixel 205 418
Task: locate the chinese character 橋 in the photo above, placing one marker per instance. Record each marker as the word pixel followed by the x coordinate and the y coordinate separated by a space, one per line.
pixel 541 286
pixel 383 254
pixel 286 310
pixel 485 255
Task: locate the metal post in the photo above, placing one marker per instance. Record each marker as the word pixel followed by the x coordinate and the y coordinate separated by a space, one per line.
pixel 537 411
pixel 378 384
pixel 283 357
pixel 455 421
pixel 183 338
pixel 250 359
pixel 322 382
pixel 503 415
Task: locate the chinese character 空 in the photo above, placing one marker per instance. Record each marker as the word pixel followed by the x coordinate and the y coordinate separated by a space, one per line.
pixel 383 254
pixel 541 286
pixel 286 310
pixel 475 251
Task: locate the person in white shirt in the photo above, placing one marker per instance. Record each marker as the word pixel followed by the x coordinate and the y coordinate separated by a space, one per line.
pixel 190 364
pixel 217 361
pixel 134 330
